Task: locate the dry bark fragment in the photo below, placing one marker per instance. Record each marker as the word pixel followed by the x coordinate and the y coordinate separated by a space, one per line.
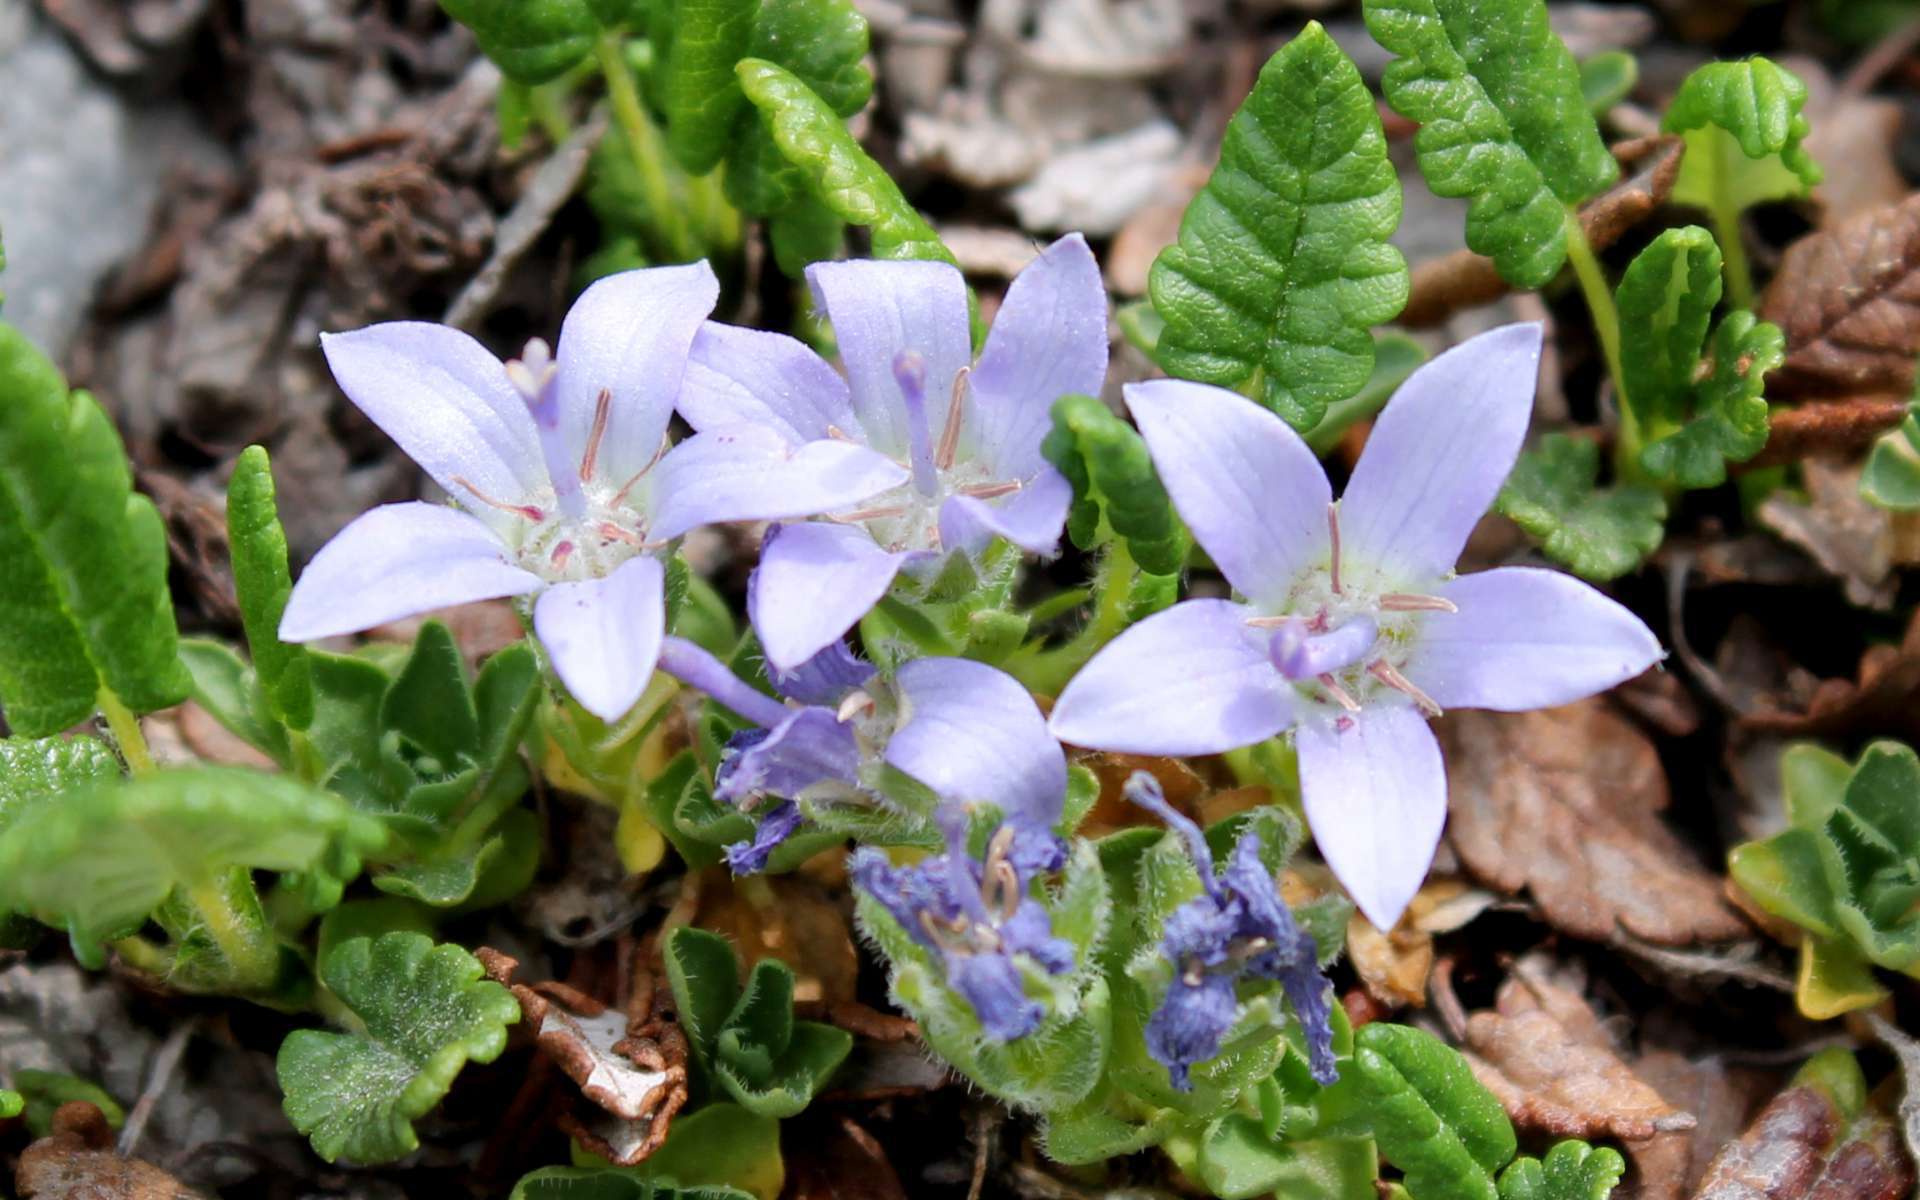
pixel 1850 538
pixel 1848 299
pixel 1798 1149
pixel 1563 802
pixel 75 1161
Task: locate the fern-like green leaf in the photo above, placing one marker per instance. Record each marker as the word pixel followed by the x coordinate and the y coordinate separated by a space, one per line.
pixel 1432 1119
pixel 1105 460
pixel 1571 1171
pixel 1503 122
pixel 1597 533
pixel 1744 132
pixel 1282 265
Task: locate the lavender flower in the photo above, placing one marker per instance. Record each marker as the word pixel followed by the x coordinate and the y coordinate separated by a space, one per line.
pixel 1353 628
pixel 561 464
pixel 967 436
pixel 1237 928
pixel 966 731
pixel 977 915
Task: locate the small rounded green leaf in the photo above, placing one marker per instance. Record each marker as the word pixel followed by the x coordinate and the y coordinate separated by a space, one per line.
pixel 1571 1171
pixel 1598 533
pixel 1744 130
pixel 262 582
pixel 422 1012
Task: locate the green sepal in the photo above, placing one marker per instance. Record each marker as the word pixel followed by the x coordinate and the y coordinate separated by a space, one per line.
pixel 84 605
pixel 1571 1170
pixel 531 41
pixel 1598 533
pixel 813 137
pixel 1283 264
pixel 1503 122
pixel 104 858
pixel 261 583
pixel 1891 478
pixel 1112 476
pixel 1431 1118
pixel 421 1012
pixel 1743 127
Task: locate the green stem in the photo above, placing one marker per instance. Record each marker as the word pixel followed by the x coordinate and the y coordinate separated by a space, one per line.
pixel 1733 253
pixel 1606 325
pixel 125 728
pixel 716 217
pixel 1048 671
pixel 649 153
pixel 248 947
pixel 143 956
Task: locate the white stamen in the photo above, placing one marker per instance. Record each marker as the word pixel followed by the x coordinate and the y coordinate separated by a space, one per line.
pixel 1380 669
pixel 1340 695
pixel 949 446
pixel 527 511
pixel 1333 533
pixel 602 409
pixel 1414 602
pixel 856 702
pixel 988 491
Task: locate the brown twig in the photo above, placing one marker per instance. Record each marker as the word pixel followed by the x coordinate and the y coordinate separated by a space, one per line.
pixel 1834 427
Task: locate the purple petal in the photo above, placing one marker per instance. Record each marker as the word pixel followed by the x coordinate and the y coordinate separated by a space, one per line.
pixel 1143 789
pixel 1438 455
pixel 751 473
pixel 826 678
pixel 749 376
pixel 815 582
pixel 1526 638
pixel 1030 518
pixel 603 635
pixel 1190 1023
pixel 628 335
pixel 1048 339
pixel 1375 793
pixel 991 984
pixel 880 309
pixel 1191 680
pixel 446 402
pixel 750 857
pixel 807 747
pixel 1249 488
pixel 693 666
pixel 395 561
pixel 973 733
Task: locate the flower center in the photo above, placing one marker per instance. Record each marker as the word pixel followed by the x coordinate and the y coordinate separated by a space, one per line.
pixel 583 526
pixel 908 517
pixel 1341 639
pixel 974 929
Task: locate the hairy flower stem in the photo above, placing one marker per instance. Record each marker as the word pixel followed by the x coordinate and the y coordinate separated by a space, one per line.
pixel 252 956
pixel 125 728
pixel 644 143
pixel 1049 671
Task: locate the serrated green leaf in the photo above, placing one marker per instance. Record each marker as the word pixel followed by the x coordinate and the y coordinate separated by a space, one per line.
pixel 1431 1118
pixel 1503 122
pixel 1666 300
pixel 422 1012
pixel 223 684
pixel 371 919
pixel 609 1183
pixel 430 702
pixel 1730 415
pixel 1598 533
pixel 1238 1160
pixel 1282 264
pixel 1112 476
pixel 492 872
pixel 34 770
pixel 812 136
pixel 705 978
pixel 697 87
pixel 107 856
pixel 1571 1171
pixel 261 583
pixel 1744 130
pixel 1395 356
pixel 84 604
pixel 531 41
pixel 1892 475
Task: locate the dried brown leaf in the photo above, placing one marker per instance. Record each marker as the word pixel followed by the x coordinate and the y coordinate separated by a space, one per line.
pixel 1879 699
pixel 1828 427
pixel 75 1161
pixel 787 917
pixel 1849 537
pixel 834 1158
pixel 1544 1053
pixel 1848 299
pixel 1563 802
pixel 1445 285
pixel 1799 1149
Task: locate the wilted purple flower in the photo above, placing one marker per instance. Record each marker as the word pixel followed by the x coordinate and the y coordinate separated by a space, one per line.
pixel 1238 928
pixel 967 436
pixel 976 915
pixel 1353 629
pixel 968 732
pixel 561 463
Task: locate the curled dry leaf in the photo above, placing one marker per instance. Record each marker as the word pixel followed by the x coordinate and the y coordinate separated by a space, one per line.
pixel 1848 299
pixel 1563 802
pixel 1833 427
pixel 1443 286
pixel 1850 538
pixel 1801 1147
pixel 76 1161
pixel 1555 1070
pixel 1879 699
pixel 631 1066
pixel 1394 965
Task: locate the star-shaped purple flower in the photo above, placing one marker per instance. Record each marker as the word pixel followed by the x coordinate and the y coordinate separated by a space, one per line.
pixel 561 463
pixel 977 916
pixel 1237 928
pixel 968 732
pixel 967 434
pixel 1353 628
